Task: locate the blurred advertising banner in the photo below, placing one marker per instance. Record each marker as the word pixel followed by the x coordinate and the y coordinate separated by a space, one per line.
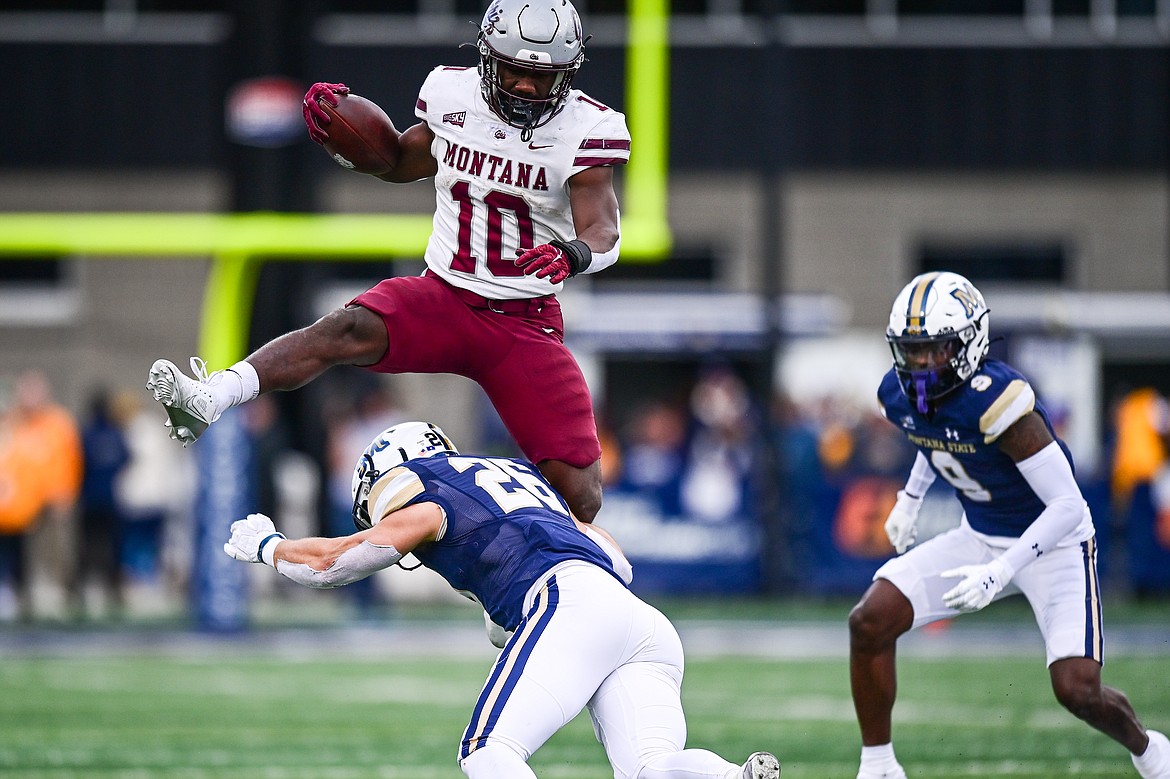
pixel 680 554
pixel 219 584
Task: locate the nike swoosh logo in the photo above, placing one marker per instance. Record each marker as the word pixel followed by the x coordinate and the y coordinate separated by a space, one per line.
pixel 548 330
pixel 534 147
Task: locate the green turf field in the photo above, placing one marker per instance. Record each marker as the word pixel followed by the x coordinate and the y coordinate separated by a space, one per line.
pixel 233 710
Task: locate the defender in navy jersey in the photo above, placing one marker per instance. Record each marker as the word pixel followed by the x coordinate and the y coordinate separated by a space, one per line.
pixel 555 587
pixel 523 168
pixel 1026 529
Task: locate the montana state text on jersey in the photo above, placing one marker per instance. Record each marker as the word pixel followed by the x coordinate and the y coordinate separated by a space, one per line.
pixel 959 439
pixel 522 184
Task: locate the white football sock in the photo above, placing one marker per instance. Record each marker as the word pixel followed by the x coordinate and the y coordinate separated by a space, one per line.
pixel 879 761
pixel 879 755
pixel 1154 763
pixel 238 384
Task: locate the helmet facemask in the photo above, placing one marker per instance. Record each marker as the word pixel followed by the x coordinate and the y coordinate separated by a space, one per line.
pixel 928 367
pixel 523 111
pixel 366 474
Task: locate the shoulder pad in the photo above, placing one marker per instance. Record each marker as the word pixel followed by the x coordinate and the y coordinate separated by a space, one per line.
pixel 1012 403
pixel 395 489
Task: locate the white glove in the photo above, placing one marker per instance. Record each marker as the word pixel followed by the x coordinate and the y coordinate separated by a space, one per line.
pixel 496 634
pixel 981 583
pixel 902 524
pixel 250 536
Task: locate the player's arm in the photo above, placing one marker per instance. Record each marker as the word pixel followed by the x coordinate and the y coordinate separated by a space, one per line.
pixel 902 523
pixel 333 562
pixel 595 214
pixel 415 160
pixel 597 224
pixel 1042 462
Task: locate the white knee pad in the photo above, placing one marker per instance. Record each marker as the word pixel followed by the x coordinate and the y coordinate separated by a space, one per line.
pixel 496 761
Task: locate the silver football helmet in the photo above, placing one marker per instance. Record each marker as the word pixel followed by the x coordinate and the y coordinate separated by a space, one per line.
pixel 536 35
pixel 393 446
pixel 939 335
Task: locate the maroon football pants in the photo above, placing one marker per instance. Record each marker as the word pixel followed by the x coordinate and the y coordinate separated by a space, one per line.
pixel 514 349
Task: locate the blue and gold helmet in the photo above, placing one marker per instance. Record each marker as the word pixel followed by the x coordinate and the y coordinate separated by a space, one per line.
pixel 939 335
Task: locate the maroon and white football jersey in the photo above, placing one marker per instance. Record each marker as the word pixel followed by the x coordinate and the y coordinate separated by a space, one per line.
pixel 496 193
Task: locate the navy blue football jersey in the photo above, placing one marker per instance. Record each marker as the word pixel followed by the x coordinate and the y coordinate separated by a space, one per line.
pixel 506 526
pixel 960 436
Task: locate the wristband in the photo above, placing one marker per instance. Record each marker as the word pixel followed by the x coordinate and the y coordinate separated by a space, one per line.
pixel 267 553
pixel 577 252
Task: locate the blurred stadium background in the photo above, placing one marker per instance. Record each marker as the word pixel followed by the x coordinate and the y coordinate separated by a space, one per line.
pixel 813 157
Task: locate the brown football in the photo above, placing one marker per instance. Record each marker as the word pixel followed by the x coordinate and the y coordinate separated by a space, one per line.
pixel 361 136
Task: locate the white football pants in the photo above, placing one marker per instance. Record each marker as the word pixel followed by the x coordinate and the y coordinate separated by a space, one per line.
pixel 588 642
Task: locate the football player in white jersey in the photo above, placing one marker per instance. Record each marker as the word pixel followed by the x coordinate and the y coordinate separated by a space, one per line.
pixel 524 200
pixel 1026 528
pixel 496 531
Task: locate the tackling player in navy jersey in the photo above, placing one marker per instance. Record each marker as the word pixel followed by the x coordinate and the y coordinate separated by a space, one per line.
pixel 522 164
pixel 496 531
pixel 1026 529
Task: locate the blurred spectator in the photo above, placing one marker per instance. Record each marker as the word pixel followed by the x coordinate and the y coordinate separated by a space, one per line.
pixel 654 453
pixel 270 441
pixel 99 555
pixel 1142 424
pixel 1141 487
pixel 796 440
pixel 717 477
pixel 611 453
pixel 801 484
pixel 153 489
pixel 350 427
pixel 40 477
pixel 870 477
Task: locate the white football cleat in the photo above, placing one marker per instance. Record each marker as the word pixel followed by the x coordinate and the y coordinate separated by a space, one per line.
pixel 189 403
pixel 761 765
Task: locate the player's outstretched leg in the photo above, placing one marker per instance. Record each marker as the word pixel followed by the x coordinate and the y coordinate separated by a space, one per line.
pixel 761 765
pixel 191 405
pixel 1077 684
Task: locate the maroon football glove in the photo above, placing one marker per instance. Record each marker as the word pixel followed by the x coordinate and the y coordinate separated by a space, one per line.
pixel 556 260
pixel 315 116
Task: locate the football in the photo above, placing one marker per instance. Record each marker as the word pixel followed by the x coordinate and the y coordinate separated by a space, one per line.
pixel 361 136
